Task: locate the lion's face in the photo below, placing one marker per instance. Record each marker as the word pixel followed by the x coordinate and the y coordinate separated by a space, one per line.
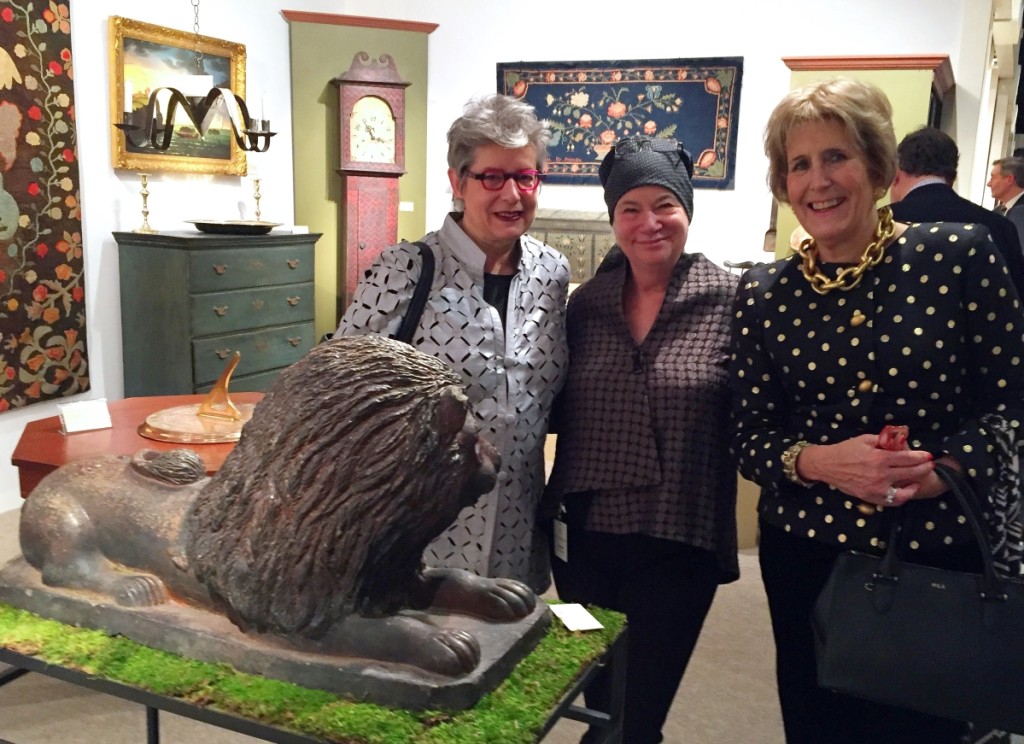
pixel 487 459
pixel 474 461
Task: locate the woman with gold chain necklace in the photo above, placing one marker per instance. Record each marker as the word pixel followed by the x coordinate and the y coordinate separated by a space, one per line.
pixel 871 323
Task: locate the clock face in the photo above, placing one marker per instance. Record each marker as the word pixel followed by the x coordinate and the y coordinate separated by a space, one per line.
pixel 372 131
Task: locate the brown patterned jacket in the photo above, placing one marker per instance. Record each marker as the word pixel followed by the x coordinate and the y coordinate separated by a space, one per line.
pixel 644 428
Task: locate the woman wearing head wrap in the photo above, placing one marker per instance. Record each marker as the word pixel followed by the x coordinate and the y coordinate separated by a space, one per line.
pixel 642 469
pixel 496 315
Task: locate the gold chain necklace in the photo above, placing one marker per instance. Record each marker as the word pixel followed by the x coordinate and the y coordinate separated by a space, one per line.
pixel 851 276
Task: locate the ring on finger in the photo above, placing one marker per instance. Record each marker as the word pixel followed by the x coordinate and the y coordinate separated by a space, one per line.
pixel 890 495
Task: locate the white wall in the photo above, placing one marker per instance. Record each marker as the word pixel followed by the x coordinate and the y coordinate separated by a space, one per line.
pixel 472 36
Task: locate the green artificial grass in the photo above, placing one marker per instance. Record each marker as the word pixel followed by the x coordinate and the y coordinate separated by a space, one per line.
pixel 515 712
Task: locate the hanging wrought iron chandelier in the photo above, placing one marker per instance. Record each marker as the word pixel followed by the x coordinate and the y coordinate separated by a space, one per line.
pixel 152 125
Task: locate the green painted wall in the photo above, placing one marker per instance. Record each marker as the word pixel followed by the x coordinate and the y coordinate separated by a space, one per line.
pixel 320 52
pixel 909 93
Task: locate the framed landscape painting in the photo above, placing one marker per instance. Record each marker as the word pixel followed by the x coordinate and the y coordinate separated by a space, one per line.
pixel 589 105
pixel 144 57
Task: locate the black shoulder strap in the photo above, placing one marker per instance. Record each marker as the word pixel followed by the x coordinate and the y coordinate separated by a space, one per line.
pixel 419 295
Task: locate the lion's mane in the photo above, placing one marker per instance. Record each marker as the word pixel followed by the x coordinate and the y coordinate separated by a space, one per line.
pixel 338 483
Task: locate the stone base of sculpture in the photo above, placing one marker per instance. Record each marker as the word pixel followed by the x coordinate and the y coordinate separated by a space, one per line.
pixel 185 630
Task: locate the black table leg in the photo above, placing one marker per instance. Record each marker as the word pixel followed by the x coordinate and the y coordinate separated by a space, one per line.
pixel 10 674
pixel 152 725
pixel 609 723
pixel 618 702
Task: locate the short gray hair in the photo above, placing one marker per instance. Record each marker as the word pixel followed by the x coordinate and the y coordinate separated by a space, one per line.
pixel 1012 167
pixel 495 120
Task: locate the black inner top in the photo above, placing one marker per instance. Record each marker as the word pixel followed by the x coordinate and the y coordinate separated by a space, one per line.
pixel 496 287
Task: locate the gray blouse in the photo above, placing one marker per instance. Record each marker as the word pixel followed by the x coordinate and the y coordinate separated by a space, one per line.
pixel 512 368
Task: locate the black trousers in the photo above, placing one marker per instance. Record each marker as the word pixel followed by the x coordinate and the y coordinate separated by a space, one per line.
pixel 794 570
pixel 665 589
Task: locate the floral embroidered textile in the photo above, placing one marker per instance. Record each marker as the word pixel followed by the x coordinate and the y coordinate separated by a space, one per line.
pixel 42 282
pixel 589 105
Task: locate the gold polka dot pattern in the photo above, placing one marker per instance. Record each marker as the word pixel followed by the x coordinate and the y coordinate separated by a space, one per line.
pixel 931 339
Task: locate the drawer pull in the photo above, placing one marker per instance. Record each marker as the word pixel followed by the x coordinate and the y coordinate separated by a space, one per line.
pixel 261 345
pixel 256 265
pixel 295 340
pixel 293 301
pixel 223 353
pixel 257 304
pixel 221 310
pixel 293 263
pixel 220 269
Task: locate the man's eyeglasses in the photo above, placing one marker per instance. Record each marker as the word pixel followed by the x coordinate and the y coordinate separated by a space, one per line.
pixel 493 179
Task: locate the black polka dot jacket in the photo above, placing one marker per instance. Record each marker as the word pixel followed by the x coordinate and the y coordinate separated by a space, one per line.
pixel 930 339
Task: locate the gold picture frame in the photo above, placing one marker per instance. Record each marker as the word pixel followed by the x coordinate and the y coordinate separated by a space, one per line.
pixel 141 54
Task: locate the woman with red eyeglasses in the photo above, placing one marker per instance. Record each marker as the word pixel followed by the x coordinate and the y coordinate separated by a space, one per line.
pixel 496 314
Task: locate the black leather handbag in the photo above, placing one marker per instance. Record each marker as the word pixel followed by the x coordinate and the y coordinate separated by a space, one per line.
pixel 942 642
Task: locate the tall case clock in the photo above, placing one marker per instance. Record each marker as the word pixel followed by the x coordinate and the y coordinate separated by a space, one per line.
pixel 371 124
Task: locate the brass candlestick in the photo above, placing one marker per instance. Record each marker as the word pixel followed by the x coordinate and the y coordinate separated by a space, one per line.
pixel 144 177
pixel 256 196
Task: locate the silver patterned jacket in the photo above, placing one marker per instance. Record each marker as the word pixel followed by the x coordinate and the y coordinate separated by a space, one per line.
pixel 512 369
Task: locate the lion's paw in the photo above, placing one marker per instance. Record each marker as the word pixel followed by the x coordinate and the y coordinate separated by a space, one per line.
pixel 140 590
pixel 508 599
pixel 450 652
pixel 502 600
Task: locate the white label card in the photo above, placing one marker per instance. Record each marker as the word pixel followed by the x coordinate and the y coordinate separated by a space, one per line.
pixel 561 541
pixel 84 415
pixel 575 617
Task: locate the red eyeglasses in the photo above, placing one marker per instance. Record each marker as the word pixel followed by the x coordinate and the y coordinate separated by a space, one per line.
pixel 493 179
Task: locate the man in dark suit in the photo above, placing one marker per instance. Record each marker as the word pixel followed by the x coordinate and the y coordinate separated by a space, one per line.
pixel 922 191
pixel 1006 183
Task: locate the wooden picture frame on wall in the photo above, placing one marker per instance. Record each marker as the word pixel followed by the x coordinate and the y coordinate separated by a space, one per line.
pixel 144 56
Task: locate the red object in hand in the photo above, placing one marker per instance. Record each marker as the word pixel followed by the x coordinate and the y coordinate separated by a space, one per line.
pixel 893 438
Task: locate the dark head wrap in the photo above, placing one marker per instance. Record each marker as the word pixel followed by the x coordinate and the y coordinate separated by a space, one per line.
pixel 644 161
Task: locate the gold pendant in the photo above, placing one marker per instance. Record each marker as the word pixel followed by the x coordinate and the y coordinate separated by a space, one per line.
pixel 858 318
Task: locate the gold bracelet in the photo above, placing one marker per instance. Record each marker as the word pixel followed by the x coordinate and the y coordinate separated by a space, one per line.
pixel 789 463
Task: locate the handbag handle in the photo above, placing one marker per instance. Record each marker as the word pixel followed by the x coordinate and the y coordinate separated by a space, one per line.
pixel 992 582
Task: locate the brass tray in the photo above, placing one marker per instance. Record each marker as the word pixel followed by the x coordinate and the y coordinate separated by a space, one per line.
pixel 234 227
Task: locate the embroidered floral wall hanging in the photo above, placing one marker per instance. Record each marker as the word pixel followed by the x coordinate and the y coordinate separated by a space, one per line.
pixel 42 283
pixel 589 105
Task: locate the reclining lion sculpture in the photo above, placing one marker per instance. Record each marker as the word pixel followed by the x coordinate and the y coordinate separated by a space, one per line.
pixel 312 531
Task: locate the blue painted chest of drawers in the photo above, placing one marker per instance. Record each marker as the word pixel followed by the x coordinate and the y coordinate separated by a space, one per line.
pixel 189 300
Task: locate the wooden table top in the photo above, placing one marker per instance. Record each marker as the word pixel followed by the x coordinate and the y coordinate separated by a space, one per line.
pixel 43 447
